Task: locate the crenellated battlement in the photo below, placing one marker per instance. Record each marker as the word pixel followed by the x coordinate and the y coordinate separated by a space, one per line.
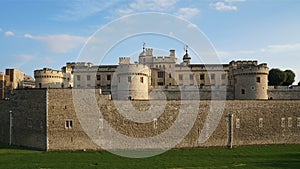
pixel 248 67
pixel 48 73
pixel 124 60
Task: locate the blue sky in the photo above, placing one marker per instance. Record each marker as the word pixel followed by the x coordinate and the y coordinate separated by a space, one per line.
pixel 36 34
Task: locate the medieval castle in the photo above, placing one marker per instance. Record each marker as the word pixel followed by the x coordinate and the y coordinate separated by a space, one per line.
pixel 45 117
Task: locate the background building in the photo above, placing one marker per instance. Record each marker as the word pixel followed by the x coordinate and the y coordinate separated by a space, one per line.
pixel 14 79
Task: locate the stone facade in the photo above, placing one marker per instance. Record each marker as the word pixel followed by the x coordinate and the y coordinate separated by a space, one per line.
pixel 14 79
pixel 238 80
pixel 46 119
pixel 27 124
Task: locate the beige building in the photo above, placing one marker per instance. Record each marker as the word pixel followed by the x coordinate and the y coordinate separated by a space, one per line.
pixel 14 79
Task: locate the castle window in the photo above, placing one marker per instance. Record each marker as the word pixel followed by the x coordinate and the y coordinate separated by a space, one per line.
pixel 160 83
pixel 223 76
pixel 202 76
pixel 78 77
pixel 298 122
pixel 258 79
pixel 160 74
pixel 243 91
pixel 180 77
pixel 237 123
pixel 212 76
pixel 191 79
pixel 155 123
pixel 69 124
pixel 260 122
pixel 129 79
pixel 170 75
pixel 108 77
pixel 98 77
pixel 142 79
pixel 88 77
pixel 290 122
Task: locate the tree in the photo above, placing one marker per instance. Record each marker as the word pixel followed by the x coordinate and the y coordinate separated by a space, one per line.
pixel 290 78
pixel 276 77
pixel 299 83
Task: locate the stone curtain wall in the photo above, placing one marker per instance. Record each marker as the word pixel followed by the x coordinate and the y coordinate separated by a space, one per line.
pixel 254 122
pixel 29 119
pixel 61 111
pixel 283 93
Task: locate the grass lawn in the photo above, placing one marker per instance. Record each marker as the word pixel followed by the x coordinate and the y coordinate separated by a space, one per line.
pixel 280 156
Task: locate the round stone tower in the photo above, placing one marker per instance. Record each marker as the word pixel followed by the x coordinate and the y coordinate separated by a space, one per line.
pixel 131 81
pixel 250 80
pixel 48 78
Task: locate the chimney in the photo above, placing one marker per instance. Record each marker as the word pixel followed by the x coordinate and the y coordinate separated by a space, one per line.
pixel 172 52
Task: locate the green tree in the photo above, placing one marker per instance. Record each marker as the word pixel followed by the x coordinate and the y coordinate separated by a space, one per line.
pixel 290 78
pixel 299 83
pixel 276 77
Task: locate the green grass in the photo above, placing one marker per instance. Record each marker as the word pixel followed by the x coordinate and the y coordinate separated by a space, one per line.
pixel 280 156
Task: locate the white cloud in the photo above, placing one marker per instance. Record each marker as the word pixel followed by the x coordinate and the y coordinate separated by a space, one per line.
pixel 9 33
pixel 221 6
pixel 282 48
pixel 28 36
pixel 62 43
pixel 80 9
pixel 146 5
pixel 152 5
pixel 187 13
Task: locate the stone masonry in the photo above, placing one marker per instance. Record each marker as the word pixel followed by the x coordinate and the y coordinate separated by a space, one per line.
pixel 46 119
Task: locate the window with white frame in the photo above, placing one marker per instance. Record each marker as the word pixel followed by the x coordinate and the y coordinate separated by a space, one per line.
pixel 69 124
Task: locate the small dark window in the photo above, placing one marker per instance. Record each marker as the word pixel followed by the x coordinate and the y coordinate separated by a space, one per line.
pixel 88 77
pixel 129 79
pixel 160 74
pixel 160 83
pixel 67 124
pixel 71 124
pixel 258 79
pixel 212 76
pixel 142 79
pixel 202 76
pixel 98 77
pixel 108 77
pixel 78 77
pixel 243 91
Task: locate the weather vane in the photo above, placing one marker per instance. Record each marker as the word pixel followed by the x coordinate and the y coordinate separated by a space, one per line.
pixel 186 47
pixel 144 43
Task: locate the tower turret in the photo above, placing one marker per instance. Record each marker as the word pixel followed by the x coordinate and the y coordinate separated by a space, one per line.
pixel 186 58
pixel 250 80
